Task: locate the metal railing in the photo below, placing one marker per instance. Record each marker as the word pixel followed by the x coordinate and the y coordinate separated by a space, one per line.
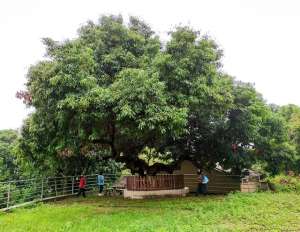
pixel 21 192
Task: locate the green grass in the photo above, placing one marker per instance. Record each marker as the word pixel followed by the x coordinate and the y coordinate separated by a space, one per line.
pixel 235 212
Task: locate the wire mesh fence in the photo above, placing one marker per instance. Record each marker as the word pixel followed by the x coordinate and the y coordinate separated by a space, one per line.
pixel 19 192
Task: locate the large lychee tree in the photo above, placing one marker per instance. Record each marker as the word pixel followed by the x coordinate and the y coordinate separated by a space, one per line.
pixel 116 90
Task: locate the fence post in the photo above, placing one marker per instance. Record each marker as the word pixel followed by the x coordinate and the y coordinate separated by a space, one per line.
pixel 63 186
pixel 72 185
pixel 55 187
pixel 42 190
pixel 8 195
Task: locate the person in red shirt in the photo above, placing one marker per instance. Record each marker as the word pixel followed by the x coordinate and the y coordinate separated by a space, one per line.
pixel 82 183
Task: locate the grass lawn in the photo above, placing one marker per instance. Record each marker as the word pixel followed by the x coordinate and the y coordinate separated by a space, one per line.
pixel 235 212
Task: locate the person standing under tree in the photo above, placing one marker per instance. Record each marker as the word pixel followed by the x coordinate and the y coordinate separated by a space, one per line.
pixel 199 181
pixel 202 183
pixel 82 184
pixel 100 182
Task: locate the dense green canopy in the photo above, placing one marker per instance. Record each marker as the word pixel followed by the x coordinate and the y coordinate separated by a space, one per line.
pixel 117 90
pixel 8 164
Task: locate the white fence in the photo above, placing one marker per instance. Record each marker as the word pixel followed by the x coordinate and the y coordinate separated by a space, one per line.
pixel 22 192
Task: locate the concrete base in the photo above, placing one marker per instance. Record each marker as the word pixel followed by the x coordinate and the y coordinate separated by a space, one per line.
pixel 155 193
pixel 249 187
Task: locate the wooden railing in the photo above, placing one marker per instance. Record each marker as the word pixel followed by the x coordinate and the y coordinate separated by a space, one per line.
pixel 159 182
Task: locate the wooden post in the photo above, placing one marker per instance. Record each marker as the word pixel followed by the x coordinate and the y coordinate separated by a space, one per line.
pixel 8 195
pixel 133 183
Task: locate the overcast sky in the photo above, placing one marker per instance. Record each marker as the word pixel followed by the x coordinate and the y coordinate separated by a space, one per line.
pixel 260 39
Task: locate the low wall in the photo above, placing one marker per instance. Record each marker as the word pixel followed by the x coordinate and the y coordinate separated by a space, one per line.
pixel 249 187
pixel 131 194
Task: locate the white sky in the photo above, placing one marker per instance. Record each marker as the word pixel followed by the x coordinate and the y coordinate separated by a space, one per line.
pixel 260 38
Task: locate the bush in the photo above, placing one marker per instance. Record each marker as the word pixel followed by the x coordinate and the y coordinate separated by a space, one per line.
pixel 284 183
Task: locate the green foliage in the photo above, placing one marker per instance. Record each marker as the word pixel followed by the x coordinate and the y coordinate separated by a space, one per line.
pixel 285 183
pixel 115 90
pixel 291 113
pixel 97 94
pixel 279 151
pixel 151 156
pixel 8 165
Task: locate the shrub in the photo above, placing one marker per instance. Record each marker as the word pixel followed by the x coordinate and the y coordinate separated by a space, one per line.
pixel 284 183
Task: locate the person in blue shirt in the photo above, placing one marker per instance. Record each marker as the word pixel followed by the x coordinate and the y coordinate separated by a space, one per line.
pixel 202 183
pixel 100 182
